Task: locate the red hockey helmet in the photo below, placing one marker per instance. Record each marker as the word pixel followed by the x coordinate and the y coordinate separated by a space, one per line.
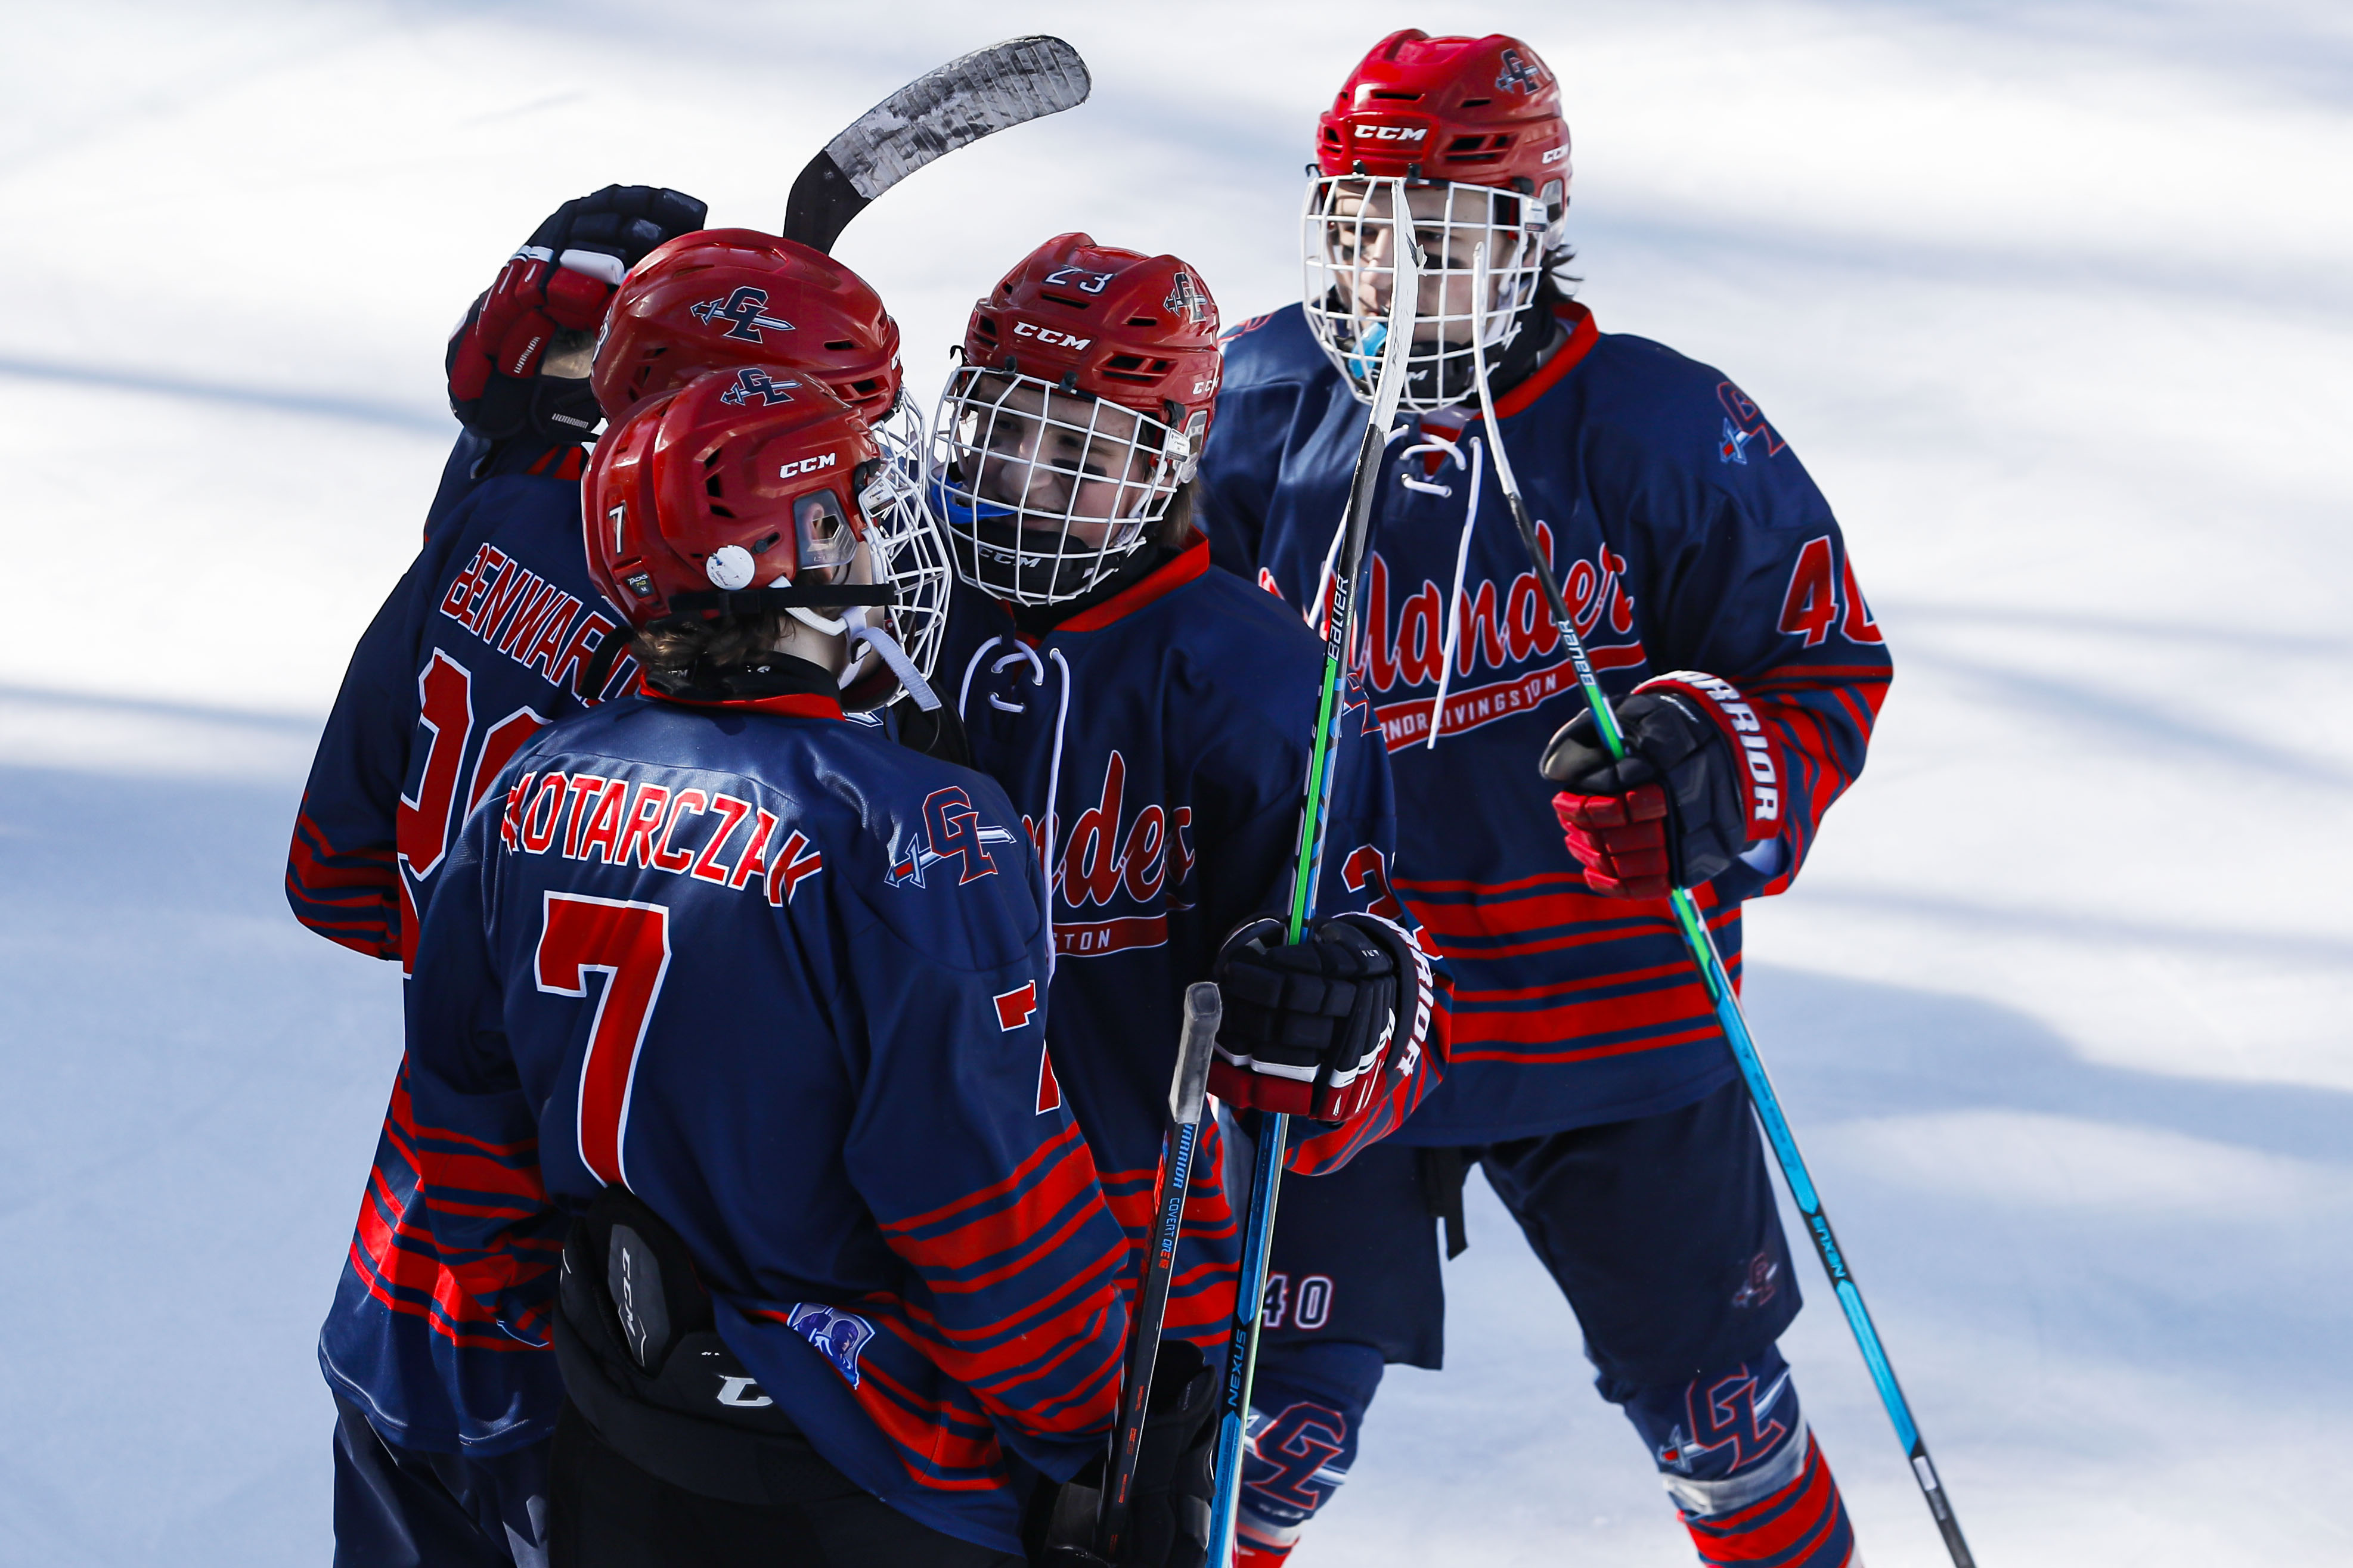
pixel 728 299
pixel 1090 377
pixel 1476 111
pixel 1467 135
pixel 1135 330
pixel 698 504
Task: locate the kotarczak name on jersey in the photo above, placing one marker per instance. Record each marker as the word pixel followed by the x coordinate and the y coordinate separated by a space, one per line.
pixel 582 816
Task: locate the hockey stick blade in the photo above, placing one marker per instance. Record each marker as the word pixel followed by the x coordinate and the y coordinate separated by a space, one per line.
pixel 978 95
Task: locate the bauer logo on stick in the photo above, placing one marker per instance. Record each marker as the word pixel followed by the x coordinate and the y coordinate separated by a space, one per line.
pixel 744 311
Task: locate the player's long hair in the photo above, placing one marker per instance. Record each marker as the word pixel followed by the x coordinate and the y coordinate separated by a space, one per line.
pixel 1175 524
pixel 682 655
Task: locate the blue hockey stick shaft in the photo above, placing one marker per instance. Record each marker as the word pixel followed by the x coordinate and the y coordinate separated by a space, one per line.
pixel 1315 808
pixel 1702 944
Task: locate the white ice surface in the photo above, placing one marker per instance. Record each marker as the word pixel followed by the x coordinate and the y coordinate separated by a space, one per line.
pixel 2055 300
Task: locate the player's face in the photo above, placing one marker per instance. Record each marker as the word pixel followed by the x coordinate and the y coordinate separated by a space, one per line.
pixel 1054 455
pixel 1449 223
pixel 832 550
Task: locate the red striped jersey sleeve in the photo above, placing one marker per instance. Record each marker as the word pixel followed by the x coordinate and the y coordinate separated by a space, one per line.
pixel 475 1134
pixel 992 1201
pixel 341 877
pixel 348 893
pixel 1769 601
pixel 1821 718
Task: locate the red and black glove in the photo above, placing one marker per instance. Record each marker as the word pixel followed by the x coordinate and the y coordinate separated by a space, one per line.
pixel 1699 782
pixel 559 282
pixel 1314 1029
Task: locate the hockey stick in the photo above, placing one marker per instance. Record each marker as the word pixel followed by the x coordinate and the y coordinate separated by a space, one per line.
pixel 1702 942
pixel 962 101
pixel 1203 1009
pixel 1315 812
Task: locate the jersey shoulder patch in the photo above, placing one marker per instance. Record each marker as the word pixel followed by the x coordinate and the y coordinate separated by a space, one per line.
pixel 943 860
pixel 1682 414
pixel 1276 347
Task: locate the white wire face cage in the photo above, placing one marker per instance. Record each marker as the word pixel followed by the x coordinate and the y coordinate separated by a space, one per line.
pixel 903 548
pixel 1042 491
pixel 1349 243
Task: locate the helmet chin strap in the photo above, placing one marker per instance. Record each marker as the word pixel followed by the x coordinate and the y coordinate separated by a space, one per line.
pixel 860 636
pixel 818 623
pixel 886 647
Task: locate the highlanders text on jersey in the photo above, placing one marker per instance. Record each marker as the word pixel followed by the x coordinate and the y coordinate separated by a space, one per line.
pixel 1685 535
pixel 1156 745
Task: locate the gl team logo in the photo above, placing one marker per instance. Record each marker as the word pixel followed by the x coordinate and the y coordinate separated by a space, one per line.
pixel 1186 299
pixel 752 382
pixel 744 311
pixel 1729 1426
pixel 1518 75
pixel 952 831
pixel 1744 422
pixel 839 1336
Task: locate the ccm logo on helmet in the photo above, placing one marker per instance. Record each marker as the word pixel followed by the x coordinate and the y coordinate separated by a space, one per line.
pixel 806 466
pixel 1048 336
pixel 1393 132
pixel 1555 155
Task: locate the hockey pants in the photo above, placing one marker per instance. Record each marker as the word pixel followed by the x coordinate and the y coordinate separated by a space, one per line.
pixel 403 1508
pixel 608 1513
pixel 1662 1234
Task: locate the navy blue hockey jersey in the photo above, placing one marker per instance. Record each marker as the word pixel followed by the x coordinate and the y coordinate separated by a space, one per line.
pixel 680 950
pixel 1685 536
pixel 1156 745
pixel 484 641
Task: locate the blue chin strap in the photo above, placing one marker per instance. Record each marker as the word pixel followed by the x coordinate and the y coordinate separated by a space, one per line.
pixel 1366 359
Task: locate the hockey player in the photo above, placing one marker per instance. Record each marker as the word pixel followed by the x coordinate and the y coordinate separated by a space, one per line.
pixel 1150 717
pixel 496 630
pixel 832 1285
pixel 1588 1078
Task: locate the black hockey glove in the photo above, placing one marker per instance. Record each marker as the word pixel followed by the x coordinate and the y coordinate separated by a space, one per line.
pixel 559 282
pixel 1168 1515
pixel 1699 782
pixel 1310 1028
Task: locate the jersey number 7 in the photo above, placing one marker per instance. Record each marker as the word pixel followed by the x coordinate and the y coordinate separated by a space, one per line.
pixel 628 944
